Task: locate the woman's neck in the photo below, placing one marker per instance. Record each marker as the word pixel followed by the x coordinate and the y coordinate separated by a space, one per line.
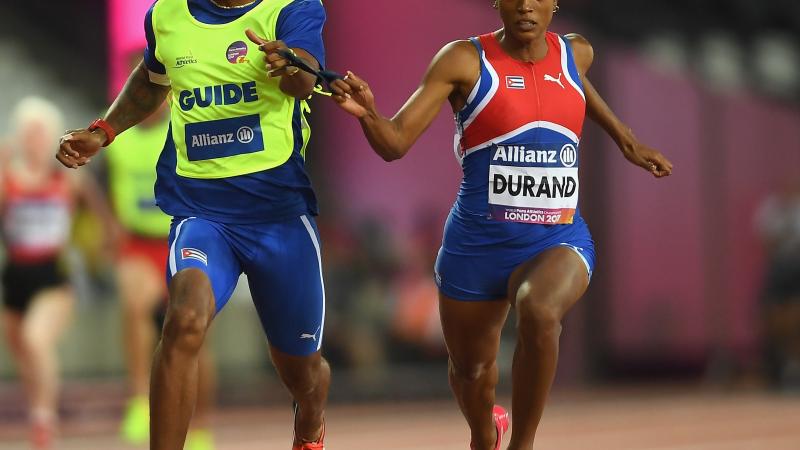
pixel 528 51
pixel 31 176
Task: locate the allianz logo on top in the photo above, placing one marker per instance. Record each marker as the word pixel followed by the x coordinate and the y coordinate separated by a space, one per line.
pixel 568 155
pixel 221 94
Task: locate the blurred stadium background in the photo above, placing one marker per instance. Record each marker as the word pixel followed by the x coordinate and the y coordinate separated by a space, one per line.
pixel 674 346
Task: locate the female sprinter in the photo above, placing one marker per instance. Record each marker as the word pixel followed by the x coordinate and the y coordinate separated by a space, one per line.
pixel 36 202
pixel 515 236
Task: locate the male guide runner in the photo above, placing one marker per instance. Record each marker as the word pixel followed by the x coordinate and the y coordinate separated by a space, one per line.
pixel 231 175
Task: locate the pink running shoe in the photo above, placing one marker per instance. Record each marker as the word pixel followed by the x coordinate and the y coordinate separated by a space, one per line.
pixel 41 436
pixel 500 416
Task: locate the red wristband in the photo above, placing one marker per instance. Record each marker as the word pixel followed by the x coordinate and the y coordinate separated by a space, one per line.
pixel 103 125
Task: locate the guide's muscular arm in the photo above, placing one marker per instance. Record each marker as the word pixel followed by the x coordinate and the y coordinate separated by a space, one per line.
pixel 139 99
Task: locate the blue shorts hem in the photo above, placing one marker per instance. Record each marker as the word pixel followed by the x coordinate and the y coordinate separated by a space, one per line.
pixel 462 295
pixel 300 353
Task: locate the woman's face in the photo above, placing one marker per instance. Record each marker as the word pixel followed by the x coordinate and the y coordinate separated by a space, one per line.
pixel 526 20
pixel 36 143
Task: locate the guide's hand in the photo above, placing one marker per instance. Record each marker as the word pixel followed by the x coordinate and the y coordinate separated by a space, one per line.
pixel 77 147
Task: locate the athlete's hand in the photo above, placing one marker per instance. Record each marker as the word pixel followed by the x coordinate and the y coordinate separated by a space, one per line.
pixel 647 158
pixel 277 65
pixel 353 95
pixel 77 147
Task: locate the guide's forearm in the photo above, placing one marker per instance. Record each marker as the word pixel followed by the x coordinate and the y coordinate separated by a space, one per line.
pixel 300 85
pixel 138 100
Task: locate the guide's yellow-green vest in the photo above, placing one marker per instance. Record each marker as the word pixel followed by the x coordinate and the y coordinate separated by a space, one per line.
pixel 228 117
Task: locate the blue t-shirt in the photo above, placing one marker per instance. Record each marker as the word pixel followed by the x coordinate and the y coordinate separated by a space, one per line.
pixel 277 194
pixel 299 26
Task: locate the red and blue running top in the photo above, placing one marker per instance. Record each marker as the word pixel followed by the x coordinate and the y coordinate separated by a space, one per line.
pixel 517 137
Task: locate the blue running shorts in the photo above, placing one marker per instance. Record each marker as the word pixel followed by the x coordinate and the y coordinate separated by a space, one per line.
pixel 283 267
pixel 477 258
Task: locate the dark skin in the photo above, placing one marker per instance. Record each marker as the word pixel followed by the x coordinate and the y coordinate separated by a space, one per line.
pixel 542 289
pixel 174 378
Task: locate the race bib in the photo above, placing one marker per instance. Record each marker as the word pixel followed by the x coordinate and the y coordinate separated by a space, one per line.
pixel 37 225
pixel 533 184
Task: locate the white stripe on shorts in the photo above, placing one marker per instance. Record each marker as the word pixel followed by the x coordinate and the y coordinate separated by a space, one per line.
pixel 173 265
pixel 314 240
pixel 583 258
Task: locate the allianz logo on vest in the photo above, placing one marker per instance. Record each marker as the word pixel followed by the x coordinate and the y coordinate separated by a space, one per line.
pixel 224 137
pixel 243 135
pixel 221 94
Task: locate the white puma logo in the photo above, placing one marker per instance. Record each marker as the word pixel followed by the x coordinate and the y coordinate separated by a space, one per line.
pixel 310 336
pixel 555 80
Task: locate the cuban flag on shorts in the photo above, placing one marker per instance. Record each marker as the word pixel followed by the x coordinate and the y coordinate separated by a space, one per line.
pixel 193 253
pixel 515 82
